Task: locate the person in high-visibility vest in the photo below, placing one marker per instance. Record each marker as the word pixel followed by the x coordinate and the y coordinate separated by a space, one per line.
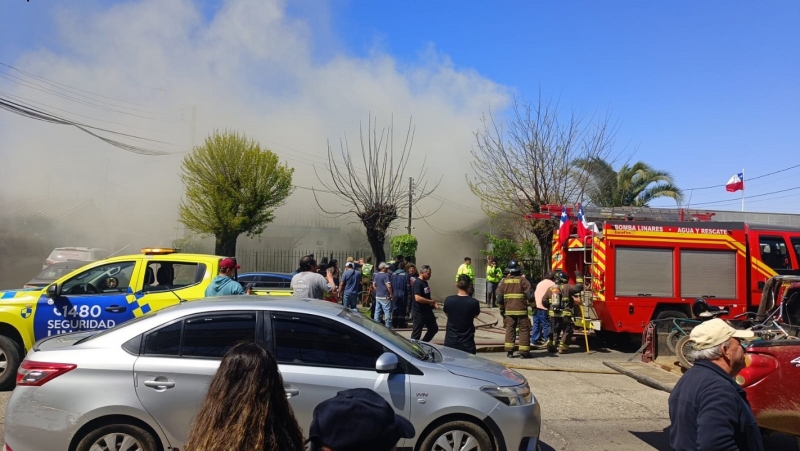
pixel 513 296
pixel 560 301
pixel 366 280
pixel 466 268
pixel 493 276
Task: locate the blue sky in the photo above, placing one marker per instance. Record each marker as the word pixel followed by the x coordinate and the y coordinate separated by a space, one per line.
pixel 701 89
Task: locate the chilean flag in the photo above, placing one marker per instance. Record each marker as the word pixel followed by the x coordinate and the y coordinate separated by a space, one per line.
pixel 564 227
pixel 585 228
pixel 736 183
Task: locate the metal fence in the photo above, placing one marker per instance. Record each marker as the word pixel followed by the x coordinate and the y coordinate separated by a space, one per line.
pixel 287 261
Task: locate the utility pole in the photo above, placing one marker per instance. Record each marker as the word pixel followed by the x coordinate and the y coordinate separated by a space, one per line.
pixel 410 199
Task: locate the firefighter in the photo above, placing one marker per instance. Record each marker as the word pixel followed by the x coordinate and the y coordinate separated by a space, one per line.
pixel 513 295
pixel 560 301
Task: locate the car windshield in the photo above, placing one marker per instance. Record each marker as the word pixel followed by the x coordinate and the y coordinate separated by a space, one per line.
pixel 387 334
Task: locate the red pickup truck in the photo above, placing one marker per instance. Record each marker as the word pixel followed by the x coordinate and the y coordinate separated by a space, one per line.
pixel 772 376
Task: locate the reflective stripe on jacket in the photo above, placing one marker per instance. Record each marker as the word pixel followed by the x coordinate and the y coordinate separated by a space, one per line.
pixel 513 292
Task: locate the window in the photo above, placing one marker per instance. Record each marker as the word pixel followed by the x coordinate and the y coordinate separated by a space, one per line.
pixel 173 275
pixel 208 336
pixel 164 341
pixel 212 336
pixel 796 246
pixel 302 340
pixel 266 281
pixel 644 272
pixel 774 253
pixel 110 278
pixel 708 274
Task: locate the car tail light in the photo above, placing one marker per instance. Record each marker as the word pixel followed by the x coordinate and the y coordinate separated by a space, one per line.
pixel 758 367
pixel 35 374
pixel 7 448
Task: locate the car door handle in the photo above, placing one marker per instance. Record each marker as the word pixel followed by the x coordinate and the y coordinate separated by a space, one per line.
pixel 291 392
pixel 115 308
pixel 163 385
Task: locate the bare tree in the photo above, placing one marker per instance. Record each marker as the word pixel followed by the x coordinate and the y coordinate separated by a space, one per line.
pixel 528 163
pixel 376 194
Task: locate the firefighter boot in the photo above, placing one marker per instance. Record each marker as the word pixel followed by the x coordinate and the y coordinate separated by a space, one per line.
pixel 510 354
pixel 525 355
pixel 551 347
pixel 563 348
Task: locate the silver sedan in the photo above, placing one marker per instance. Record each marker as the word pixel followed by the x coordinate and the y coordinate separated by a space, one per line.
pixel 138 386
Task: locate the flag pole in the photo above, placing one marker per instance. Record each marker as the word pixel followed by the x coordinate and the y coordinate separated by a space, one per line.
pixel 742 189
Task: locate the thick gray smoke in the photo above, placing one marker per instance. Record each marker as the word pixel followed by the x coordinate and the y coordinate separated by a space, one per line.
pixel 162 71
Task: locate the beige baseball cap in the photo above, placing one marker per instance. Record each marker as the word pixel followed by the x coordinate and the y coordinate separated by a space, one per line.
pixel 715 332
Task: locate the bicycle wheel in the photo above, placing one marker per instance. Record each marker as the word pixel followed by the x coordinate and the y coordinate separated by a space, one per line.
pixel 683 349
pixel 672 339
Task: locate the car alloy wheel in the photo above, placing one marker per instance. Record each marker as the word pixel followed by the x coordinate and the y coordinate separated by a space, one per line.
pixel 118 437
pixel 9 362
pixel 116 442
pixel 457 436
pixel 456 440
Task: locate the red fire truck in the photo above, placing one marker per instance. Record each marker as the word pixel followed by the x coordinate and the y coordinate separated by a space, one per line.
pixel 647 264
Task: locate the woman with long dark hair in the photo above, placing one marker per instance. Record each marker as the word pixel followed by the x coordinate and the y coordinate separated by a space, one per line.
pixel 246 406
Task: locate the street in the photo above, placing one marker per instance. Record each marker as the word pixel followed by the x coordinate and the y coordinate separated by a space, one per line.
pixel 585 405
pixel 582 410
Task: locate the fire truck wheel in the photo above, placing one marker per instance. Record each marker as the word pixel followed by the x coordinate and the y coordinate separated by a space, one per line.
pixel 683 350
pixel 671 314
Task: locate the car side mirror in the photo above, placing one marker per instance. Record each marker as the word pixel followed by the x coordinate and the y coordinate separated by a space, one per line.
pixel 386 363
pixel 54 290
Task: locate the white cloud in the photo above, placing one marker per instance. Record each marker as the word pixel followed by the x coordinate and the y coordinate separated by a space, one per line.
pixel 249 68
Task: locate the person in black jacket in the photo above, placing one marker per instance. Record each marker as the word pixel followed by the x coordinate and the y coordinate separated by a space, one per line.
pixel 707 408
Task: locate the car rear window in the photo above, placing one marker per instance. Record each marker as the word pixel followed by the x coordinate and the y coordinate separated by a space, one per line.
pixel 54 273
pixel 69 254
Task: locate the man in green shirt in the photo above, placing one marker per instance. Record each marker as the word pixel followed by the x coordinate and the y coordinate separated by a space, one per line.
pixel 466 268
pixel 493 276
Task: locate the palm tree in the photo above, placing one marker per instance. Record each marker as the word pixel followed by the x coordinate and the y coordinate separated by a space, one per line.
pixel 633 186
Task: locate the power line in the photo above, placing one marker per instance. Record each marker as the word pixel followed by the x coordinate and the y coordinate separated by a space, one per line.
pixel 749 197
pixel 41 115
pixel 749 179
pixel 74 99
pixel 59 86
pixel 25 99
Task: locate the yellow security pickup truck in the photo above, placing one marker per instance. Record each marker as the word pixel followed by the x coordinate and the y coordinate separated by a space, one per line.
pixel 101 295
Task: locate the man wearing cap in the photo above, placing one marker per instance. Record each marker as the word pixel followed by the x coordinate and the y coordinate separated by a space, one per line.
pixel 382 285
pixel 707 408
pixel 223 284
pixel 349 286
pixel 357 420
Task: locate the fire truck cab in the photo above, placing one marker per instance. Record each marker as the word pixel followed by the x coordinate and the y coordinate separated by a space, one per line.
pixel 637 271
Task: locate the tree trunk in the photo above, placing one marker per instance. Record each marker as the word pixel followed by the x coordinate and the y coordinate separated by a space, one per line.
pixel 546 245
pixel 376 242
pixel 225 245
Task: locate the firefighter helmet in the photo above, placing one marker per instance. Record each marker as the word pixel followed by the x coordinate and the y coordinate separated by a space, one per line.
pixel 561 277
pixel 514 268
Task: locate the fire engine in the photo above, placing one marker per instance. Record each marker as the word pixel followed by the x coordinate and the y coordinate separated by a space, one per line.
pixel 645 264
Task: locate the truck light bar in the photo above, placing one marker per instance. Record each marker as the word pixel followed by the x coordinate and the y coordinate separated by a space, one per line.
pixel 159 250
